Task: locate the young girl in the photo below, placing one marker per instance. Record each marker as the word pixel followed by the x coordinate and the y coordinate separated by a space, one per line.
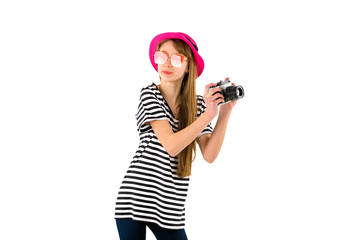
pixel 171 119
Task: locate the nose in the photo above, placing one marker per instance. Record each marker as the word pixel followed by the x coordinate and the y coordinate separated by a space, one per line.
pixel 168 63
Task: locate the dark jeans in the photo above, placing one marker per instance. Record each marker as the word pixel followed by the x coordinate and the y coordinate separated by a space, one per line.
pixel 135 230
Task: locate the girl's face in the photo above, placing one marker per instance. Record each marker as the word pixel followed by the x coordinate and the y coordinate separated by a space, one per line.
pixel 167 71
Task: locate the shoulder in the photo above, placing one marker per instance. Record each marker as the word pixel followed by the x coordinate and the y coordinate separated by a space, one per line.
pixel 150 91
pixel 151 88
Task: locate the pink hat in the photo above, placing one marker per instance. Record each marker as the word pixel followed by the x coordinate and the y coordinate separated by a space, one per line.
pixel 178 35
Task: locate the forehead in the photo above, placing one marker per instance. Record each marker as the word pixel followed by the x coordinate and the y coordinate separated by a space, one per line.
pixel 168 46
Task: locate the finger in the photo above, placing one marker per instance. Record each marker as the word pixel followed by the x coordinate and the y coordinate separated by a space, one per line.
pixel 213 96
pixel 217 96
pixel 207 87
pixel 219 101
pixel 214 90
pixel 209 93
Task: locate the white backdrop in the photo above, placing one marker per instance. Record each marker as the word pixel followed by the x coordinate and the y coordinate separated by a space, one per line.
pixel 71 73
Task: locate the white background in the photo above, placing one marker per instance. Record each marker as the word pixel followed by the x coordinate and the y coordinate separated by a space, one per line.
pixel 71 73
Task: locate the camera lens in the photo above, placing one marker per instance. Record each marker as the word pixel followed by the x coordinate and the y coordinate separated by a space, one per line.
pixel 234 92
pixel 240 91
pixel 231 93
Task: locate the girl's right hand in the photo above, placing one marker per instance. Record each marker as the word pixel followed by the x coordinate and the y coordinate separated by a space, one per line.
pixel 212 99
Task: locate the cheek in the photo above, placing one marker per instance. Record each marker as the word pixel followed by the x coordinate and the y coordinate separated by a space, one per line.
pixel 184 68
pixel 181 71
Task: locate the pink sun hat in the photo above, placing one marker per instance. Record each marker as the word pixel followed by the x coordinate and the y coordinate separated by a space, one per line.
pixel 177 35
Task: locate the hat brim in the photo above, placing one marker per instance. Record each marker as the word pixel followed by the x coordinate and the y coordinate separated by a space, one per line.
pixel 199 62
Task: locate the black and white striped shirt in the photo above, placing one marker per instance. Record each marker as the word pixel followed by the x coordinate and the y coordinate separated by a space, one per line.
pixel 151 191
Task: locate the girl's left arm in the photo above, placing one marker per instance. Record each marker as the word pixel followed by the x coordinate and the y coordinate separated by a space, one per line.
pixel 210 144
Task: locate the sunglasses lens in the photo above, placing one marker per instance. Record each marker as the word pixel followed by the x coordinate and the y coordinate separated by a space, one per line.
pixel 176 60
pixel 160 58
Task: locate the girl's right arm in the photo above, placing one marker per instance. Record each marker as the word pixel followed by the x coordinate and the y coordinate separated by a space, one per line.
pixel 174 143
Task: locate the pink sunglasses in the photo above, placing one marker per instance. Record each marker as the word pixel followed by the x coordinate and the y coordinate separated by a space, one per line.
pixel 176 59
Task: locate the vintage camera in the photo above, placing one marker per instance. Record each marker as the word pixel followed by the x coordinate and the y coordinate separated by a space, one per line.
pixel 230 92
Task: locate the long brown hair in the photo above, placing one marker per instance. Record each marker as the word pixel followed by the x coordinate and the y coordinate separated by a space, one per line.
pixel 188 106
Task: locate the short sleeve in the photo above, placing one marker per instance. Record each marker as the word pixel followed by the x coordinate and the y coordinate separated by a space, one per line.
pixel 149 109
pixel 201 110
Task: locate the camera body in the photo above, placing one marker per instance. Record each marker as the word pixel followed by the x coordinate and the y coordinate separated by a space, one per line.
pixel 230 92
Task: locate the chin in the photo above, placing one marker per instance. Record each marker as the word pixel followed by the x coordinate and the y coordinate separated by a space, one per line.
pixel 169 78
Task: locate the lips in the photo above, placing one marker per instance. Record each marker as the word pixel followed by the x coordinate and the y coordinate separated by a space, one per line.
pixel 166 72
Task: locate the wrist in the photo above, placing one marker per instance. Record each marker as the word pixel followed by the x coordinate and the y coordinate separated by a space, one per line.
pixel 207 117
pixel 225 112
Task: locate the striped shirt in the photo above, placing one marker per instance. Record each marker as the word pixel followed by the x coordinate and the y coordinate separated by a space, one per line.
pixel 151 191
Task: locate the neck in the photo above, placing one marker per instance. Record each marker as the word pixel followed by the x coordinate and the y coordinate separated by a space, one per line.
pixel 171 92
